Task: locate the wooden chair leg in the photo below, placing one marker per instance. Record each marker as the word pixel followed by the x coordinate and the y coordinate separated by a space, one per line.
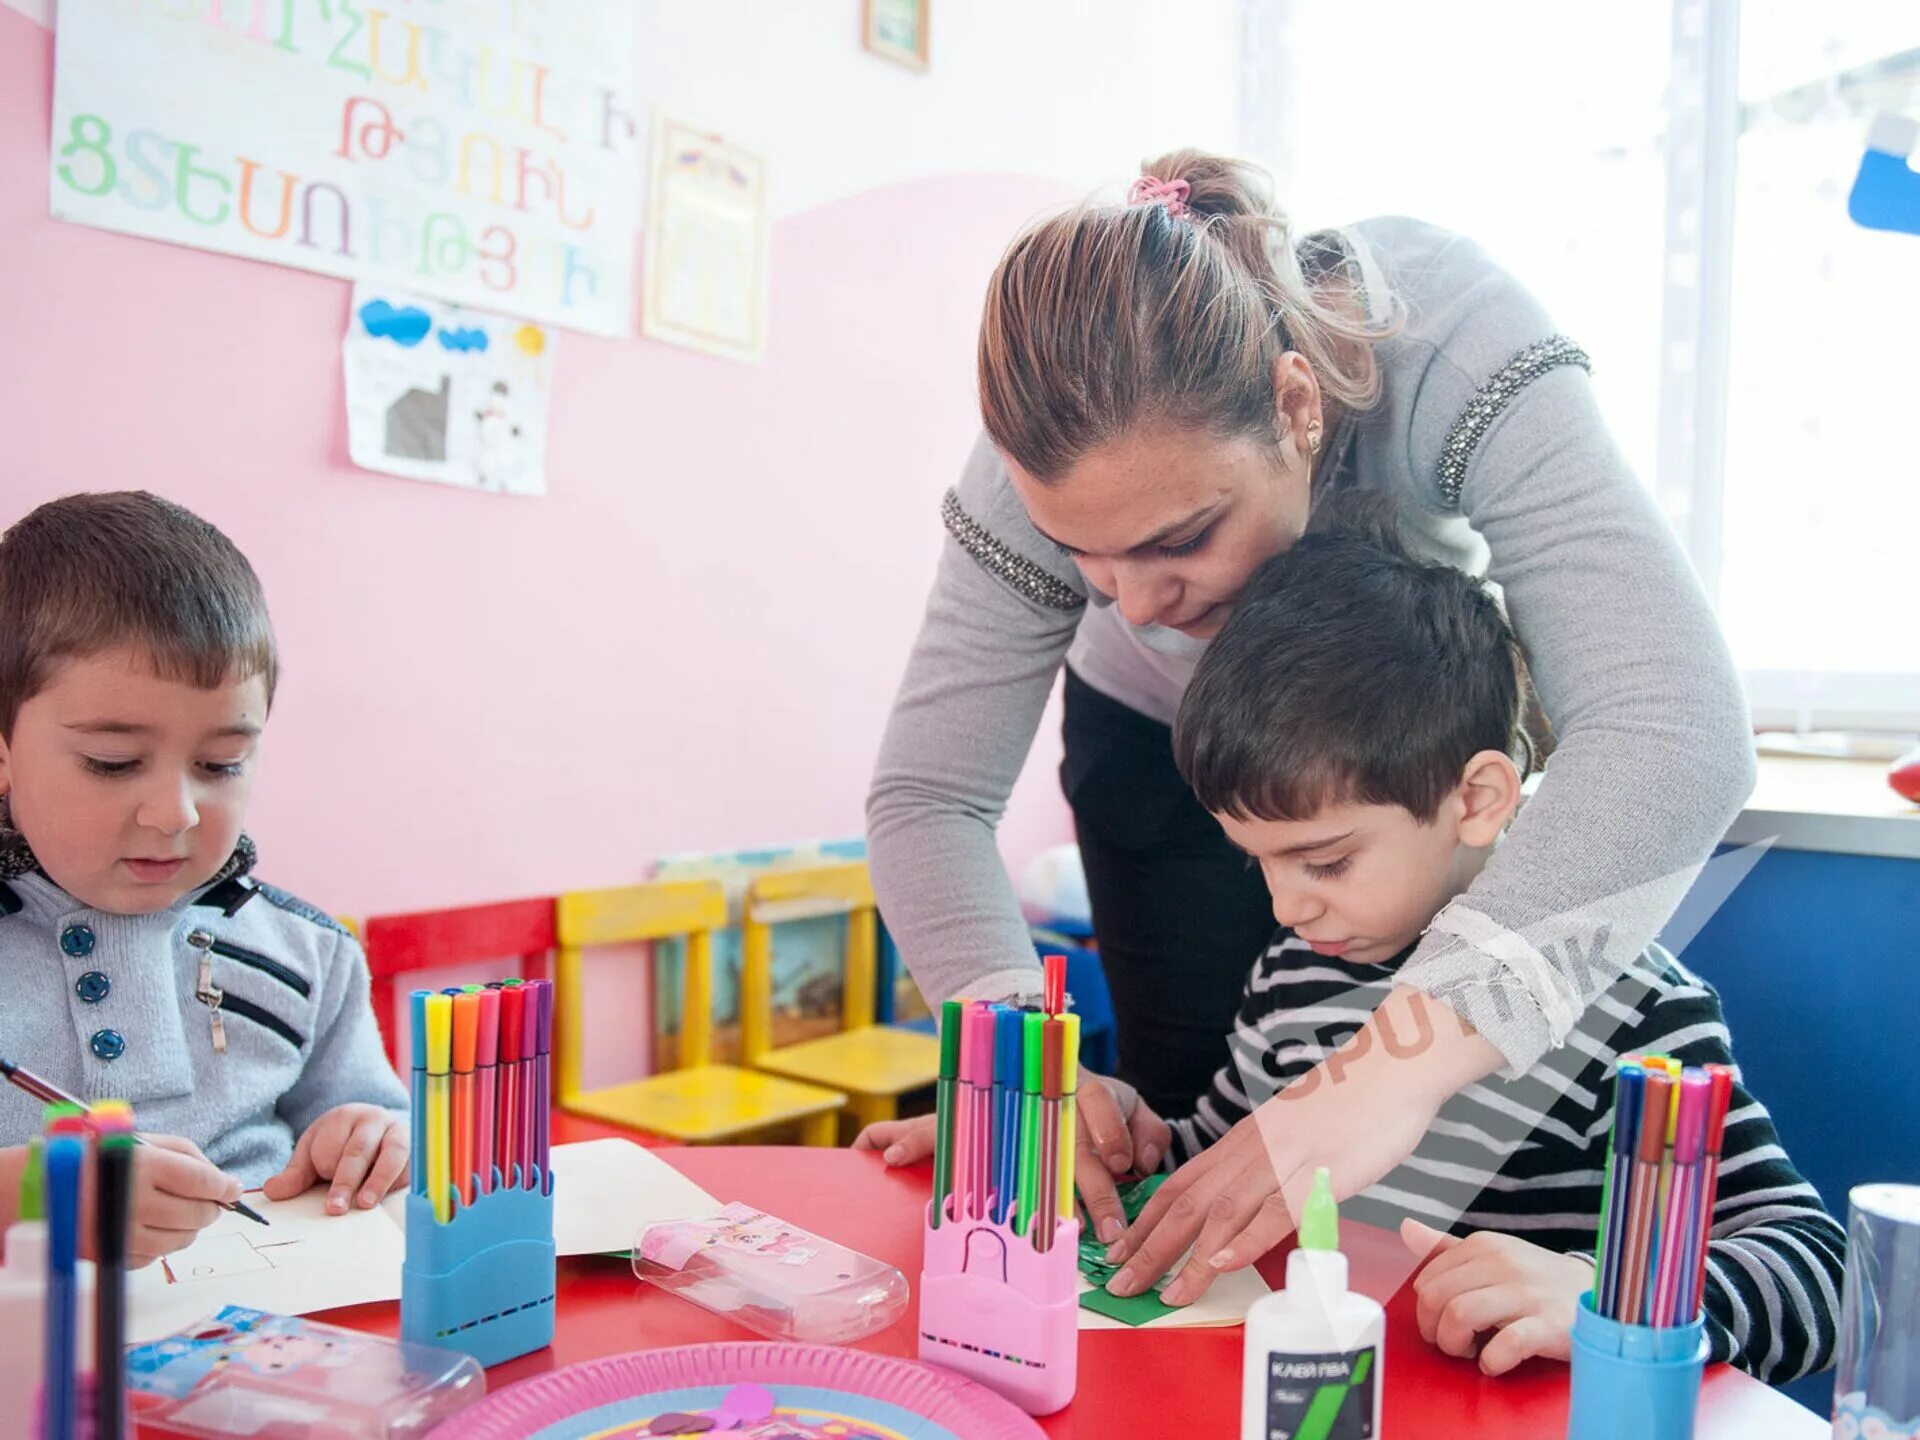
pixel 822 1130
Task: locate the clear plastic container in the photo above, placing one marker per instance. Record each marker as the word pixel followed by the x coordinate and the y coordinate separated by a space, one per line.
pixel 774 1278
pixel 243 1372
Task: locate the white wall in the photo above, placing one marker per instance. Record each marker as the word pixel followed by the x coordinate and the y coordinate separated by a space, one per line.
pixel 1078 91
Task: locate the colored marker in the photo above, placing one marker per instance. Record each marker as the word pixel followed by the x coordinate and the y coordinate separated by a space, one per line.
pixel 1637 1248
pixel 1628 1092
pixel 980 1132
pixel 513 1007
pixel 439 1055
pixel 1719 1098
pixel 417 1030
pixel 1069 1087
pixel 466 1036
pixel 1007 1066
pixel 1676 1248
pixel 543 1083
pixel 950 1013
pixel 486 1057
pixel 66 1152
pixel 1046 1200
pixel 1027 1182
pixel 1054 976
pixel 48 1093
pixel 113 1195
pixel 529 1049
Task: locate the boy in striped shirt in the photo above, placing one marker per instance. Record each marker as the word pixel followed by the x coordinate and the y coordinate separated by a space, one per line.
pixel 1357 730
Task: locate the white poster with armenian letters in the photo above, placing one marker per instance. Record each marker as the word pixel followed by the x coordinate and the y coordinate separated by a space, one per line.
pixel 481 151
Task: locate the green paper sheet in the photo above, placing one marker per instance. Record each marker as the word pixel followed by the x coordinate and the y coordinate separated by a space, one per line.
pixel 1127 1309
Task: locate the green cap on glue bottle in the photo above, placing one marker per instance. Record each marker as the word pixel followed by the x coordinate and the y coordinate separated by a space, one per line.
pixel 1320 1220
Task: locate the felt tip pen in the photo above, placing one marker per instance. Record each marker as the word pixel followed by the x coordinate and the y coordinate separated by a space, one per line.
pixel 1629 1089
pixel 466 1037
pixel 439 1058
pixel 506 1140
pixel 1069 1089
pixel 486 1073
pixel 1046 1211
pixel 543 1082
pixel 1008 1064
pixel 1032 1037
pixel 65 1154
pixel 950 1022
pixel 113 1195
pixel 48 1093
pixel 1677 1229
pixel 1719 1099
pixel 529 1052
pixel 1649 1149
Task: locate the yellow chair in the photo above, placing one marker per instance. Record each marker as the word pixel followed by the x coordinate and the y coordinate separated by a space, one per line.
pixel 875 1064
pixel 698 1100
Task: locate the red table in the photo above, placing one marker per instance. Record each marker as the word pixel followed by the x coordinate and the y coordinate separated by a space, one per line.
pixel 1191 1377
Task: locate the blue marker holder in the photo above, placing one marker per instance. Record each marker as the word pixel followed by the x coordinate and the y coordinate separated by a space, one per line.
pixel 1634 1382
pixel 483 1283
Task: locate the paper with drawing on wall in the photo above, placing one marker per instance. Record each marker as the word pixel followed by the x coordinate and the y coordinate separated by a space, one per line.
pixel 438 392
pixel 705 261
pixel 303 1259
pixel 485 153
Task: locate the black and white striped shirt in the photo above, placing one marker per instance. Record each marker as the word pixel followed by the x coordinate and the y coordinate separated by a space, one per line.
pixel 1528 1156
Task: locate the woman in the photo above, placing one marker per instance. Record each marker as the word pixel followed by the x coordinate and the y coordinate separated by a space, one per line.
pixel 1167 386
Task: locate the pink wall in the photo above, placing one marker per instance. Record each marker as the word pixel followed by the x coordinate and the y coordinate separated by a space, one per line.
pixel 691 642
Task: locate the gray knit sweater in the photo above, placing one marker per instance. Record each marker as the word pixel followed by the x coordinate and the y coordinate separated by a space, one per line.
pixel 1488 439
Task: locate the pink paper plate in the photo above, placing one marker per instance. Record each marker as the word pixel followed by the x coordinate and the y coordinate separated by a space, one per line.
pixel 860 1396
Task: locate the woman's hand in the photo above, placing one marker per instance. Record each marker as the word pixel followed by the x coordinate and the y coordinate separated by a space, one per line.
pixel 1359 1113
pixel 1117 1134
pixel 1489 1282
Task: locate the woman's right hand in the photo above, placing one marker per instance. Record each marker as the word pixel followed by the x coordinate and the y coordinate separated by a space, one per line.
pixel 1117 1134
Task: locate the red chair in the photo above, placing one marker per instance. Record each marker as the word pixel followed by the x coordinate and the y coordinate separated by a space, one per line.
pixel 398 945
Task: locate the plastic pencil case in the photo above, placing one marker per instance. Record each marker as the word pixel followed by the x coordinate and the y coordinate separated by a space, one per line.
pixel 1634 1382
pixel 1000 1312
pixel 245 1372
pixel 774 1278
pixel 483 1283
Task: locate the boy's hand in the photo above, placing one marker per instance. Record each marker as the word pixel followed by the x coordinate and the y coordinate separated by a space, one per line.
pixel 902 1142
pixel 1489 1281
pixel 1117 1134
pixel 177 1193
pixel 357 1147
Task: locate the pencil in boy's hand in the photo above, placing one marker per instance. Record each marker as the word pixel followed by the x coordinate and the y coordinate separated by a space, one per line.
pixel 50 1094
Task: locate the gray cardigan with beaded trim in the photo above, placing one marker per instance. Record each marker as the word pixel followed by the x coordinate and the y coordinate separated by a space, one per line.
pixel 1488 438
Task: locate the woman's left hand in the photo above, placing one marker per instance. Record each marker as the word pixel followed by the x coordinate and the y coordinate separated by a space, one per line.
pixel 1359 1113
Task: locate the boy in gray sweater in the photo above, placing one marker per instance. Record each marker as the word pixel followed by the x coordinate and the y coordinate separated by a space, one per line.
pixel 140 960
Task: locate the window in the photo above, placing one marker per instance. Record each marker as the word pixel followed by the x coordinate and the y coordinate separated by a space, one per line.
pixel 1671 179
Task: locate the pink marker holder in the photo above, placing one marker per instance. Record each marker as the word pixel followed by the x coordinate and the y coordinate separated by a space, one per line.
pixel 1000 1312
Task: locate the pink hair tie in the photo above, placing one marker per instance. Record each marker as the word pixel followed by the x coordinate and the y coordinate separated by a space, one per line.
pixel 1150 190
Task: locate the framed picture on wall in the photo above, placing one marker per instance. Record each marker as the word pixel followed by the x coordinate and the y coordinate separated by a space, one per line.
pixel 896 30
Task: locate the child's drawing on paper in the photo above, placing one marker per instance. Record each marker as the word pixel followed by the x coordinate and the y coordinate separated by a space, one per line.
pixel 437 392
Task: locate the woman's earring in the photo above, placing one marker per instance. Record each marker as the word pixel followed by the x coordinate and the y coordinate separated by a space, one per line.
pixel 1313 437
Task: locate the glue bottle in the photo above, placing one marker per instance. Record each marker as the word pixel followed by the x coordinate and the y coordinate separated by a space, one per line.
pixel 1315 1349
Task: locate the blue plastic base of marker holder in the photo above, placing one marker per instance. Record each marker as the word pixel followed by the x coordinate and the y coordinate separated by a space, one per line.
pixel 483 1283
pixel 1634 1382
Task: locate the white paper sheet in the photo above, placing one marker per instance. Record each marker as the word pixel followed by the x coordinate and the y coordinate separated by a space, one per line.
pixel 604 1192
pixel 302 1260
